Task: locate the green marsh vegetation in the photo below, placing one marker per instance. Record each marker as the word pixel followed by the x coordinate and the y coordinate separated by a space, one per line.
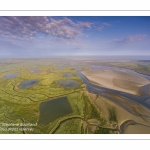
pixel 112 115
pixel 22 105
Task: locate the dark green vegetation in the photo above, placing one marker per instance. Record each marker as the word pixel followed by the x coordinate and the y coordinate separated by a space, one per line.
pixel 102 131
pixel 112 115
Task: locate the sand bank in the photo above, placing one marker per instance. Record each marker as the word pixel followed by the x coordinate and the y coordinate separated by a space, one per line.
pixel 142 122
pixel 119 80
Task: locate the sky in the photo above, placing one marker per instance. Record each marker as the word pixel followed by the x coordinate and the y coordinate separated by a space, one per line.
pixel 46 36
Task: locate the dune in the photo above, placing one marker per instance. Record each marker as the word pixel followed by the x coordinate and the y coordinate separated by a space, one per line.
pixel 119 80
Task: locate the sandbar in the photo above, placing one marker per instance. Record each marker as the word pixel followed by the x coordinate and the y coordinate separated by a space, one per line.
pixel 119 80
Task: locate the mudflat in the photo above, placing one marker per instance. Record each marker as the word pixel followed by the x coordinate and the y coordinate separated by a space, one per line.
pixel 130 121
pixel 119 80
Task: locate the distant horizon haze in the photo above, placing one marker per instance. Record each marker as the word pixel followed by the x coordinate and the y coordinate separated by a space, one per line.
pixel 117 57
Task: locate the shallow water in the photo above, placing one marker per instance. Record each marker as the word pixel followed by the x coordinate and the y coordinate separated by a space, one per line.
pixel 12 75
pixel 67 75
pixel 28 83
pixel 53 109
pixel 120 69
pixel 68 83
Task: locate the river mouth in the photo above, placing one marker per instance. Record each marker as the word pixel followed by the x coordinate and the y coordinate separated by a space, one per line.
pixel 12 75
pixel 28 83
pixel 53 109
pixel 68 83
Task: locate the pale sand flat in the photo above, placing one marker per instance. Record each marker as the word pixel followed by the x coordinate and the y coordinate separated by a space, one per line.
pixel 119 80
pixel 137 129
pixel 103 104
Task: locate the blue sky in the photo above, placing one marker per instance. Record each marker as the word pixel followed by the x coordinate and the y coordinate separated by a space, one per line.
pixel 46 36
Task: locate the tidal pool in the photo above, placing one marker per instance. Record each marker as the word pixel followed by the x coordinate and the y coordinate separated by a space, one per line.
pixel 28 83
pixel 67 75
pixel 53 109
pixel 68 83
pixel 12 75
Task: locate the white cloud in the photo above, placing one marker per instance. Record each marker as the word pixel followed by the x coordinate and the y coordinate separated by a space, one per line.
pixel 103 25
pixel 24 27
pixel 133 38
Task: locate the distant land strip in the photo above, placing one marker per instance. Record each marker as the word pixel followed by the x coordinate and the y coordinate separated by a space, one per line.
pixel 74 10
